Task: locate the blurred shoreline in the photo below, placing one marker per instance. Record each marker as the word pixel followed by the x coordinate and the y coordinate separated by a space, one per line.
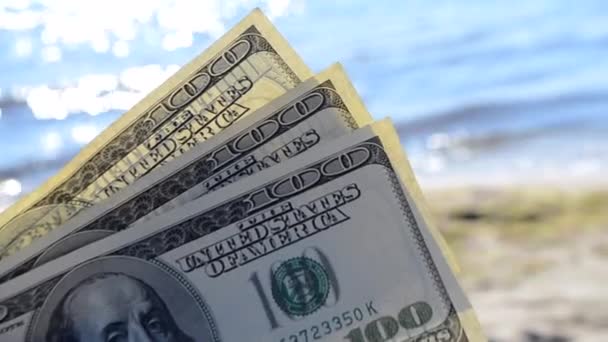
pixel 477 182
pixel 533 259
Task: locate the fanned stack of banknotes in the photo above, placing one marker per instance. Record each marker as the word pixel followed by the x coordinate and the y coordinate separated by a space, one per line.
pixel 244 199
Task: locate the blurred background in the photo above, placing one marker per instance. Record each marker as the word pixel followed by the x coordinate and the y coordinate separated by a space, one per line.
pixel 502 107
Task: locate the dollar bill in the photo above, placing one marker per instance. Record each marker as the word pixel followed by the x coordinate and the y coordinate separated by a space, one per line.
pixel 320 109
pixel 333 249
pixel 245 69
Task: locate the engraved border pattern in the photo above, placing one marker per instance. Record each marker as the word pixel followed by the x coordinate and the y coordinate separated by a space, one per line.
pixel 122 216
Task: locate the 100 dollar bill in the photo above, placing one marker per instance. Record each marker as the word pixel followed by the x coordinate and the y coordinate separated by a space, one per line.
pixel 314 112
pixel 245 69
pixel 328 246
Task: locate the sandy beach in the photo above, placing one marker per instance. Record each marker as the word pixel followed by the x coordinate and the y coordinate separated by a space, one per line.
pixel 533 259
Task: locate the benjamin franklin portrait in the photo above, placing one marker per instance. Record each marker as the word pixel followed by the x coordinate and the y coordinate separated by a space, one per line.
pixel 114 307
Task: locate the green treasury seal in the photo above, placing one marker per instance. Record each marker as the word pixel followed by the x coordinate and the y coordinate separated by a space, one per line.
pixel 300 286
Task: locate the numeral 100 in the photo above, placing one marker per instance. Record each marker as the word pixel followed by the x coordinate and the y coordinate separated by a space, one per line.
pixel 385 328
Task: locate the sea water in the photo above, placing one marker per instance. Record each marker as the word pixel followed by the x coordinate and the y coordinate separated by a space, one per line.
pixel 482 92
